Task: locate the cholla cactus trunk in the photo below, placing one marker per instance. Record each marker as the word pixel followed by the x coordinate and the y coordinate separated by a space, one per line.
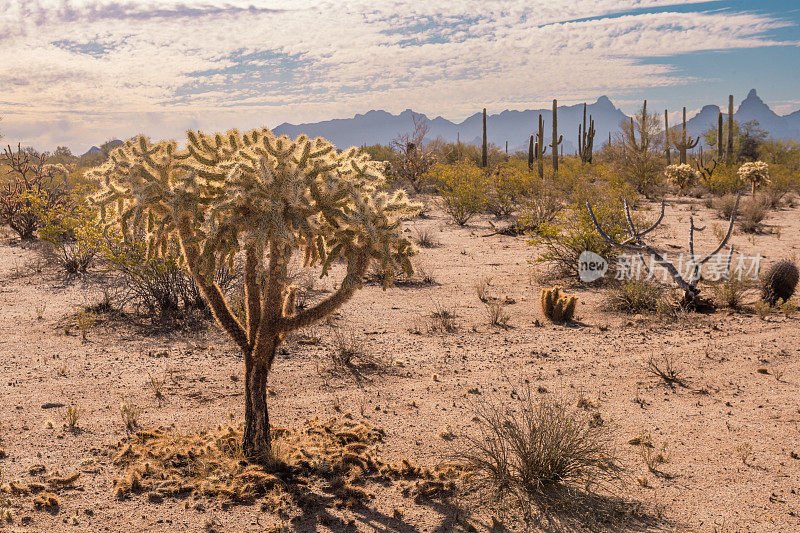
pixel 269 198
pixel 779 282
pixel 484 148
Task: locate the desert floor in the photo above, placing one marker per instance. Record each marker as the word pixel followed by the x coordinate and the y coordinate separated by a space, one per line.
pixel 731 433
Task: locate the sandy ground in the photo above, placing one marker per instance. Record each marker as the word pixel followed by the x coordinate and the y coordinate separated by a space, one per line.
pixel 731 434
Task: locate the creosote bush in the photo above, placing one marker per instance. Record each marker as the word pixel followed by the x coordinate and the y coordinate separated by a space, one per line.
pixel 251 202
pixel 463 189
pixel 635 296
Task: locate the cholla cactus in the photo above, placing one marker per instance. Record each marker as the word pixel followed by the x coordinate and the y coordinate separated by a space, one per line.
pixel 681 175
pixel 265 198
pixel 756 172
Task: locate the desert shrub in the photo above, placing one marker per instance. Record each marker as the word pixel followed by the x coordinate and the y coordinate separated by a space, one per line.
pixel 413 159
pixel 158 287
pixel 31 189
pixel 752 213
pixel 729 293
pixel 635 296
pixel 570 234
pixel 725 181
pixel 75 238
pixel 724 205
pixel 507 182
pixel 636 152
pixel 541 207
pixel 463 189
pixel 536 450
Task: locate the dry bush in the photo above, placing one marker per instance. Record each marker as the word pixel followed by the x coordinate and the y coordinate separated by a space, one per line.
pixel 71 416
pixel 730 293
pixel 350 353
pixel 724 205
pixel 443 320
pixel 538 452
pixel 426 239
pixel 667 369
pixel 752 213
pixel 130 415
pixel 497 315
pixel 635 296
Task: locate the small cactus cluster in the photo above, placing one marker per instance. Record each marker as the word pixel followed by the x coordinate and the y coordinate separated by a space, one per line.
pixel 683 176
pixel 779 282
pixel 756 172
pixel 558 306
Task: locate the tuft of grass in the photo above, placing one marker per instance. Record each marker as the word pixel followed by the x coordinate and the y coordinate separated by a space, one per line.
pixel 635 296
pixel 482 289
pixel 533 452
pixel 724 205
pixel 157 386
pixel 130 415
pixel 763 309
pixel 71 416
pixel 667 369
pixel 426 238
pixel 443 320
pixel 497 316
pixel 654 456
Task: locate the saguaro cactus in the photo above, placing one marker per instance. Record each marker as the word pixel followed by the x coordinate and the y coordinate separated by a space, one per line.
pixel 729 154
pixel 586 138
pixel 541 148
pixel 484 148
pixel 686 143
pixel 667 143
pixel 531 154
pixel 253 201
pixel 555 143
pixel 720 149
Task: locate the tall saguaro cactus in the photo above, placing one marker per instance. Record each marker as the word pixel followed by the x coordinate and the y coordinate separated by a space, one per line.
pixel 729 154
pixel 252 202
pixel 531 148
pixel 586 138
pixel 686 143
pixel 556 137
pixel 541 148
pixel 720 149
pixel 667 143
pixel 484 148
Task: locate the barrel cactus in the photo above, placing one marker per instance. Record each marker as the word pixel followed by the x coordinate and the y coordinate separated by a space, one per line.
pixel 558 306
pixel 779 282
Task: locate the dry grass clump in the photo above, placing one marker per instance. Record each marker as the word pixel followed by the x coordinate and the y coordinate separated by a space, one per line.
pixel 752 213
pixel 635 296
pixel 724 205
pixel 350 353
pixel 730 293
pixel 539 452
pixel 339 456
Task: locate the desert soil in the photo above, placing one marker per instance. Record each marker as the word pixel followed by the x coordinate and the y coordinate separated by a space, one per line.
pixel 731 432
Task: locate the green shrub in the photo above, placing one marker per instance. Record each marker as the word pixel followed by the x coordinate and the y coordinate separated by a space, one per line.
pixel 635 296
pixel 463 189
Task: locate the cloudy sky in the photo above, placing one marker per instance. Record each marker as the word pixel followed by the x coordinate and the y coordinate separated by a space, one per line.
pixel 82 71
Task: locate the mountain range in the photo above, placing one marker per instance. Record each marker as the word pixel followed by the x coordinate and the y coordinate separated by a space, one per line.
pixel 381 127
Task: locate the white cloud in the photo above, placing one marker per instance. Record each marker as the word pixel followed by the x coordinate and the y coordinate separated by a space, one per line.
pixel 79 72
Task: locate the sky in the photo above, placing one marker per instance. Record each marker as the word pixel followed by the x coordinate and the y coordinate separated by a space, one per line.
pixel 80 72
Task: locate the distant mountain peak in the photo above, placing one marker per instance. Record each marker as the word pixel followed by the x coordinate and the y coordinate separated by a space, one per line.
pixel 752 95
pixel 604 100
